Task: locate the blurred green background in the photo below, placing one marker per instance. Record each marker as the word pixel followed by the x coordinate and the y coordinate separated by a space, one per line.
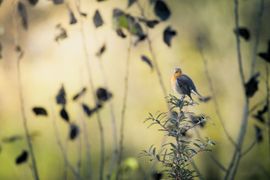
pixel 47 64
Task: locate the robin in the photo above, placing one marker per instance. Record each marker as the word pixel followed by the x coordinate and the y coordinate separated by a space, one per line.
pixel 183 84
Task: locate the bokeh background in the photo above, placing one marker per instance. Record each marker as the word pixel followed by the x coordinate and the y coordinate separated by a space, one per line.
pixel 47 64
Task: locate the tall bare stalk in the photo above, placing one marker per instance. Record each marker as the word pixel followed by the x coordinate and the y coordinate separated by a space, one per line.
pixel 21 96
pixel 123 110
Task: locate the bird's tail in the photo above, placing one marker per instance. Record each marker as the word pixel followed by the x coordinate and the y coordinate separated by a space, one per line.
pixel 201 98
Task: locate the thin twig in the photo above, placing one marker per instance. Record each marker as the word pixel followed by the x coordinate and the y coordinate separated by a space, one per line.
pixel 268 102
pixel 123 110
pixel 22 101
pixel 113 122
pixel 257 36
pixel 91 84
pixel 61 147
pixel 249 148
pixel 154 58
pixel 84 125
pixel 237 152
pixel 211 86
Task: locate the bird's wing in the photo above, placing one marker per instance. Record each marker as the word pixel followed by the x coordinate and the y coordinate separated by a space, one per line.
pixel 188 81
pixel 186 84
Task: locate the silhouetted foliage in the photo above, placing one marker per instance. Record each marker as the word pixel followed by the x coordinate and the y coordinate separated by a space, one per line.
pixel 258 134
pixel 79 94
pixel 260 113
pixel 23 14
pixel 64 114
pixel 61 96
pixel 62 33
pixel 149 23
pixel 97 19
pixel 87 110
pixel 12 139
pixel 243 32
pixel 40 111
pixel 168 34
pixel 147 61
pixel 103 94
pixel 22 158
pixel 161 10
pixel 72 18
pixel 266 55
pixel 101 50
pixel 73 131
pixel 252 85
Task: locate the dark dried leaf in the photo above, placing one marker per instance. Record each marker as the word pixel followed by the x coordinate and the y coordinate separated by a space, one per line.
pixel 101 50
pixel 103 94
pixel 168 34
pixel 61 96
pixel 23 14
pixel 149 23
pixel 72 18
pixel 258 134
pixel 64 114
pixel 260 113
pixel 140 38
pixel 266 55
pixel 87 110
pixel 58 1
pixel 131 2
pixel 1 2
pixel 243 32
pixel 74 131
pixel 121 33
pixel 12 139
pixel 147 61
pixel 97 19
pixel 79 94
pixel 40 111
pixel 33 2
pixel 83 14
pixel 97 107
pixel 62 34
pixel 22 158
pixel 101 0
pixel 161 10
pixel 252 85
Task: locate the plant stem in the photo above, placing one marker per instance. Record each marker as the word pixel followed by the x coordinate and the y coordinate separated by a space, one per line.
pixel 21 98
pixel 25 123
pixel 91 84
pixel 123 110
pixel 154 58
pixel 211 86
pixel 243 127
pixel 113 122
pixel 257 36
pixel 62 149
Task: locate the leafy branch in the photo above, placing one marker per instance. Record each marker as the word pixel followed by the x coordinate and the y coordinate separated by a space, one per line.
pixel 177 156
